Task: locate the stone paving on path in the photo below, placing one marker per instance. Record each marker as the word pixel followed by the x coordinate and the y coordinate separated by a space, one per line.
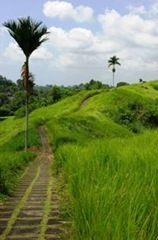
pixel 32 212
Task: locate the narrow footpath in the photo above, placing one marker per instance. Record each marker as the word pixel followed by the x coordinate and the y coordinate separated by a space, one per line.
pixel 32 212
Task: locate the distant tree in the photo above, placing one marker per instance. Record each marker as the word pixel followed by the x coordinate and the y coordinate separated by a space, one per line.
pixel 4 112
pixel 6 85
pixel 29 36
pixel 55 94
pixel 120 84
pixel 68 91
pixel 113 61
pixel 20 85
pixel 17 101
pixel 3 98
pixel 93 84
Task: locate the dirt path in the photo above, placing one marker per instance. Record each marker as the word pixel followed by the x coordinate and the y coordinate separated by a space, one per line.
pixel 32 211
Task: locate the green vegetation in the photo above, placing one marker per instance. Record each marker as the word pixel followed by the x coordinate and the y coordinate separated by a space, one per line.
pixel 12 95
pixel 105 147
pixel 113 187
pixel 13 159
pixel 110 173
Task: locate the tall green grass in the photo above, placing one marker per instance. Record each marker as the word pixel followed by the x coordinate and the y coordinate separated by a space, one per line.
pixel 114 187
pixel 13 159
pixel 9 128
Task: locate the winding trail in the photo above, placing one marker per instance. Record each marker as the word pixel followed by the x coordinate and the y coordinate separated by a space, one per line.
pixel 32 212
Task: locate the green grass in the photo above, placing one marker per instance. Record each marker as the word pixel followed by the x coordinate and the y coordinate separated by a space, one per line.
pixel 114 187
pixel 9 128
pixel 13 159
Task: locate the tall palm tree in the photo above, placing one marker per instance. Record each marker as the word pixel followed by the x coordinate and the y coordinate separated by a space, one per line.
pixel 112 62
pixel 29 34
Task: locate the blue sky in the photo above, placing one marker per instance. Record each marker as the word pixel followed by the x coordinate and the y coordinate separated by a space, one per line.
pixel 84 34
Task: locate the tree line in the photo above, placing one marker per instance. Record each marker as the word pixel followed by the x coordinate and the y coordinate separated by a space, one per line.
pixel 12 95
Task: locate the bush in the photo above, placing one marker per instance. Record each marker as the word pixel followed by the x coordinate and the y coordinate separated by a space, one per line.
pixel 155 86
pixel 130 115
pixel 20 113
pixel 120 84
pixel 5 112
pixel 137 114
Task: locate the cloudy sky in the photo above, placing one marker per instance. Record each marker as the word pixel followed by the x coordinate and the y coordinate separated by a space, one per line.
pixel 84 34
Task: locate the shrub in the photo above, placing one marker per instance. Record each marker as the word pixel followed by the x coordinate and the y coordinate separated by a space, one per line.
pixel 4 112
pixel 20 113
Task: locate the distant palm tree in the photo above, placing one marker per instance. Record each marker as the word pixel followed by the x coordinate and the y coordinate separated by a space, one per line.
pixel 112 62
pixel 29 36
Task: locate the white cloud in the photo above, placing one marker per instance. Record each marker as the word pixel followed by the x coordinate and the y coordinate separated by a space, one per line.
pixel 129 29
pixel 65 10
pixel 13 52
pixel 42 54
pixel 72 47
pixel 137 39
pixel 2 30
pixel 77 39
pixel 137 10
pixel 65 60
pixel 154 8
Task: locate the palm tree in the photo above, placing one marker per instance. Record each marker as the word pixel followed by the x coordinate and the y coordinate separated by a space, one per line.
pixel 112 62
pixel 29 35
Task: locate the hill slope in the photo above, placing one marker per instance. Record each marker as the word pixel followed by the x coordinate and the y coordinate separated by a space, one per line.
pixel 105 145
pixel 97 106
pixel 104 113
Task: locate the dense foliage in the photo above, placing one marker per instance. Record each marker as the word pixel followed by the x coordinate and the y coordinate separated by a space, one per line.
pixel 12 95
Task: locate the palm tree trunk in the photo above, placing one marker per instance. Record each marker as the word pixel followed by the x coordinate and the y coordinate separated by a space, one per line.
pixel 113 79
pixel 26 126
pixel 27 97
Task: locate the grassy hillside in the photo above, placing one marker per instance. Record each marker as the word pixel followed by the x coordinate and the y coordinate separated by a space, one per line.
pixel 105 146
pixel 13 159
